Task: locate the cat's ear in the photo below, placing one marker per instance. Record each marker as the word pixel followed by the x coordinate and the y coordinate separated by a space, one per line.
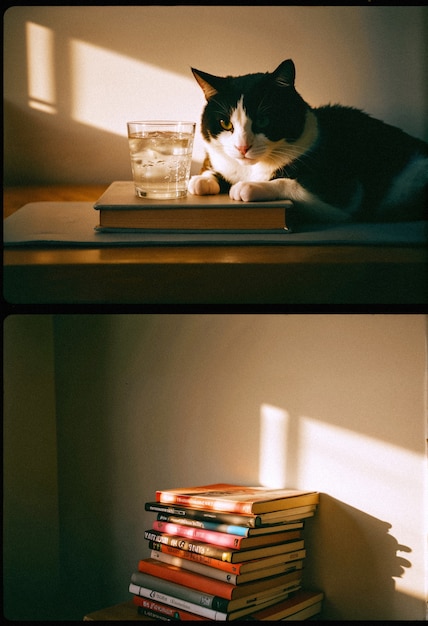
pixel 285 74
pixel 206 82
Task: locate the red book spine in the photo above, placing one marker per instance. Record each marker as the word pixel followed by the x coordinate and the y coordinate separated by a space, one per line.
pixel 171 612
pixel 187 578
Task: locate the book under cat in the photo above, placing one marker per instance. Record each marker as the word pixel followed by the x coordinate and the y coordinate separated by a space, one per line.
pixel 119 208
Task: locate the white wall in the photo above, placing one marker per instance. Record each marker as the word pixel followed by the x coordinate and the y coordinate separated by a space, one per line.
pixel 150 401
pixel 73 76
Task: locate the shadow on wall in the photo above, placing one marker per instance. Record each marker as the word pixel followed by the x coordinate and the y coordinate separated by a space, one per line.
pixel 363 560
pixel 59 143
pixel 59 140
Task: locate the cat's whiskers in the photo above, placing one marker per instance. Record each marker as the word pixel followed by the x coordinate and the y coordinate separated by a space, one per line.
pixel 281 155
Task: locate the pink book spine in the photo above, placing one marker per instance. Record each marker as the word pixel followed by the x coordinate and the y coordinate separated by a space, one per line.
pixel 201 534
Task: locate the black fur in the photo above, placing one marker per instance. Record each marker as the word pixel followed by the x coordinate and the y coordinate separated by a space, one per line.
pixel 354 155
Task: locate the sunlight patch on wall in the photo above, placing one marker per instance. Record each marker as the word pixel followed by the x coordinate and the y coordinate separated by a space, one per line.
pixel 372 476
pixel 273 446
pixel 110 89
pixel 106 89
pixel 368 473
pixel 40 68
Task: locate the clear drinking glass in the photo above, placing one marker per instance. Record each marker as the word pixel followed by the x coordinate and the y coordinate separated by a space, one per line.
pixel 161 157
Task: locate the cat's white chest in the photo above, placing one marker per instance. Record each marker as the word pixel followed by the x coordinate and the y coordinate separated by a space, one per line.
pixel 235 171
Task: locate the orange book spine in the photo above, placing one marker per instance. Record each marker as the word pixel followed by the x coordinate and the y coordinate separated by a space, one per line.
pixel 225 566
pixel 187 578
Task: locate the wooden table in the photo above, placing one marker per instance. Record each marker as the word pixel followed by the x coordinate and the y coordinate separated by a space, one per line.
pixel 256 275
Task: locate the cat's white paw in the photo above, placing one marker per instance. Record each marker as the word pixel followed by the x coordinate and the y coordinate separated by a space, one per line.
pixel 253 192
pixel 200 185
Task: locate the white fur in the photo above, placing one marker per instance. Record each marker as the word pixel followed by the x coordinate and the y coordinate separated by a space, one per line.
pixel 289 189
pixel 262 159
pixel 411 180
pixel 205 184
pixel 250 175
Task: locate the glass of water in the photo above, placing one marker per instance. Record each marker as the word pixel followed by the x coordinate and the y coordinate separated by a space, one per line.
pixel 161 157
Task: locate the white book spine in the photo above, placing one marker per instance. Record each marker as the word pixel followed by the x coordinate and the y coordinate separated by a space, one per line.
pixel 178 602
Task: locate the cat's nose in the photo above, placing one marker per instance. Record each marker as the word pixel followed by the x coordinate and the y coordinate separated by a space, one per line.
pixel 243 149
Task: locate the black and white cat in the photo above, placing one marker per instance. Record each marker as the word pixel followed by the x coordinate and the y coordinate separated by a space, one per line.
pixel 336 163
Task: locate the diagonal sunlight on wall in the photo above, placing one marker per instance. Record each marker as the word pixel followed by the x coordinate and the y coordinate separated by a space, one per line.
pixel 274 424
pixel 109 89
pixel 372 479
pixel 105 89
pixel 367 474
pixel 40 68
pixel 122 85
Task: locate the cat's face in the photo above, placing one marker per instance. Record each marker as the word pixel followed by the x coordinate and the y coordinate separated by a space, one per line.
pixel 253 118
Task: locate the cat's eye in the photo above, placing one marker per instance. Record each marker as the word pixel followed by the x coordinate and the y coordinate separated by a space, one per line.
pixel 263 121
pixel 226 124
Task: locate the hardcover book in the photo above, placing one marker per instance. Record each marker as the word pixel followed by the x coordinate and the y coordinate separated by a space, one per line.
pixel 140 591
pixel 227 540
pixel 223 575
pixel 237 498
pixel 231 529
pixel 297 552
pixel 158 610
pixel 167 600
pixel 307 614
pixel 119 208
pixel 249 520
pixel 151 583
pixel 203 583
pixel 290 607
pixel 218 552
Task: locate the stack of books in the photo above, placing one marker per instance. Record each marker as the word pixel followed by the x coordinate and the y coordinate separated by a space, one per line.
pixel 225 552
